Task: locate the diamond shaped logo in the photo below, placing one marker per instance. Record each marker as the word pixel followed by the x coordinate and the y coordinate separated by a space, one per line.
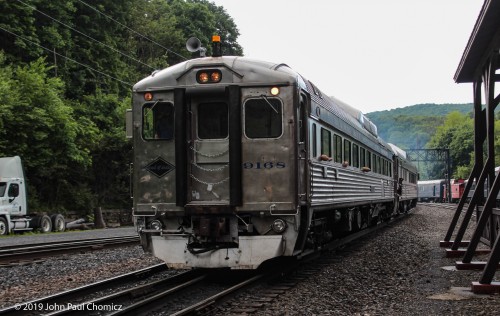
pixel 159 167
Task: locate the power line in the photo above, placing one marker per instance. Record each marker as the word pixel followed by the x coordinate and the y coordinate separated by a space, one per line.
pixel 70 59
pixel 110 47
pixel 128 28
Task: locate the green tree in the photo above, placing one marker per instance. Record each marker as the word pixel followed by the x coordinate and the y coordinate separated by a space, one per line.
pixel 39 126
pixel 457 135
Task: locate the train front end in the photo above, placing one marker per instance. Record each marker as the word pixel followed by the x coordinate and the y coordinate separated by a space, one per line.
pixel 215 168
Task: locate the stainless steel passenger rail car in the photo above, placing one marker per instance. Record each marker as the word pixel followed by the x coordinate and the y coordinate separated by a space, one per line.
pixel 237 161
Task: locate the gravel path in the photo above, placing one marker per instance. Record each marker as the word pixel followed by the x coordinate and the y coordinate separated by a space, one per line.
pixel 398 271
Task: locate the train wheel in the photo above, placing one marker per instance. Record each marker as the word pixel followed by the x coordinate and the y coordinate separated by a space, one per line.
pixel 45 224
pixel 58 224
pixel 4 227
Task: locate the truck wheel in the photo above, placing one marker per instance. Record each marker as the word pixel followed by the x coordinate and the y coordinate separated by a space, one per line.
pixel 58 223
pixel 4 228
pixel 45 224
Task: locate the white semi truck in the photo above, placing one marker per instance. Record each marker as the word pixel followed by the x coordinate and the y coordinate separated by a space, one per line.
pixel 14 216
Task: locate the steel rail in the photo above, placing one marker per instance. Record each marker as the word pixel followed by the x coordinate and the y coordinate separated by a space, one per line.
pixel 30 252
pixel 192 276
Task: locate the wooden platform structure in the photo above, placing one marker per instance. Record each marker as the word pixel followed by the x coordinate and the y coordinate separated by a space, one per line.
pixel 479 65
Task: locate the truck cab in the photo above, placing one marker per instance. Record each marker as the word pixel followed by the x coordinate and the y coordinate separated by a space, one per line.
pixel 12 193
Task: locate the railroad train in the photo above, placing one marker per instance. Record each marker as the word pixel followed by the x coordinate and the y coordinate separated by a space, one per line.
pixel 436 190
pixel 238 161
pixel 432 190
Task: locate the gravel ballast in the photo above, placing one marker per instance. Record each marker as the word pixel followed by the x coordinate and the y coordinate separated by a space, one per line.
pixel 400 270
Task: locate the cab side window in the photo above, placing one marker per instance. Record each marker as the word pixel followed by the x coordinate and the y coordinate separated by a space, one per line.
pixel 158 121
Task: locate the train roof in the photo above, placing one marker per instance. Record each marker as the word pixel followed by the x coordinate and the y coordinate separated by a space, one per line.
pixel 439 181
pixel 245 70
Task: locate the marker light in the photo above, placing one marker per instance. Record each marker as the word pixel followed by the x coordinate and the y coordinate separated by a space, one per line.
pixel 275 90
pixel 148 96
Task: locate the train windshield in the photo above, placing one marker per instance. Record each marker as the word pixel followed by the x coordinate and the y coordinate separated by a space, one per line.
pixel 3 186
pixel 213 120
pixel 263 118
pixel 158 121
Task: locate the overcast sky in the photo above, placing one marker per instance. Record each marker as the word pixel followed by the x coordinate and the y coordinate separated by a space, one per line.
pixel 372 54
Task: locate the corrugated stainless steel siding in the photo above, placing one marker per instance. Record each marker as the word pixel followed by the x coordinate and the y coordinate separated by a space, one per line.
pixel 330 184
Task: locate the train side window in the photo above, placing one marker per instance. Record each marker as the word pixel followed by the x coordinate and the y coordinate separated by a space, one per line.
pixel 347 151
pixel 263 118
pixel 213 120
pixel 368 159
pixel 355 155
pixel 158 121
pixel 314 146
pixel 338 148
pixel 375 165
pixel 379 165
pixel 326 142
pixel 362 156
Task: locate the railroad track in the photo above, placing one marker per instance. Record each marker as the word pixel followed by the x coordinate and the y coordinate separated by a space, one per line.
pixel 74 296
pixel 188 293
pixel 181 294
pixel 22 254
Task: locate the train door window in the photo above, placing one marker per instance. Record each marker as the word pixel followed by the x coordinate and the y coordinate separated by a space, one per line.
pixel 338 148
pixel 355 155
pixel 301 117
pixel 314 146
pixel 263 118
pixel 212 120
pixel 326 142
pixel 362 154
pixel 347 151
pixel 158 120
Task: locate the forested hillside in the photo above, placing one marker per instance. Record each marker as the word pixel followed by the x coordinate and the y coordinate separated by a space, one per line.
pixel 66 73
pixel 413 126
pixel 449 126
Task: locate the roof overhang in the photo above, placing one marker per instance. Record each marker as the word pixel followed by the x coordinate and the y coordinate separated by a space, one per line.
pixel 484 40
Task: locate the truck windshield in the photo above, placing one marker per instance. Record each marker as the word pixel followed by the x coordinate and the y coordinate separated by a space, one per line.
pixel 3 186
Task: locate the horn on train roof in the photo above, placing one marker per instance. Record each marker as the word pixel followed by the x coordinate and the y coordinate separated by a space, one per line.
pixel 193 44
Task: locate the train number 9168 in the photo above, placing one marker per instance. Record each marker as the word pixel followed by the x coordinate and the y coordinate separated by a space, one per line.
pixel 264 165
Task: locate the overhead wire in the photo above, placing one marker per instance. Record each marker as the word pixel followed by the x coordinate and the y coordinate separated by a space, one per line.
pixel 132 30
pixel 66 57
pixel 72 28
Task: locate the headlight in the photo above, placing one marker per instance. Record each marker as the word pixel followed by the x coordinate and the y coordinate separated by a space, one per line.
pixel 278 226
pixel 156 225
